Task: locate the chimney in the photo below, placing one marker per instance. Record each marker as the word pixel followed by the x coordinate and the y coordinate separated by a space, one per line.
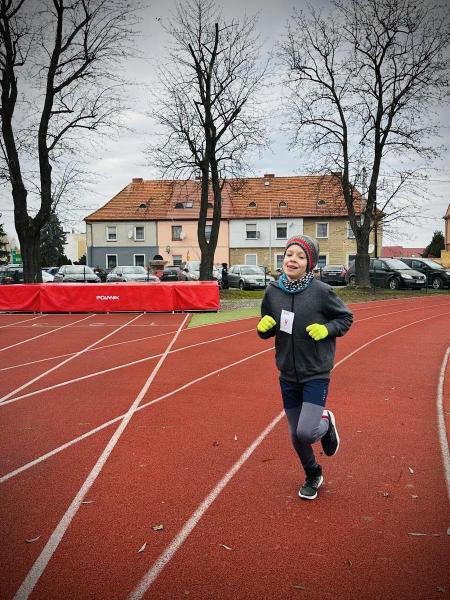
pixel 137 180
pixel 268 176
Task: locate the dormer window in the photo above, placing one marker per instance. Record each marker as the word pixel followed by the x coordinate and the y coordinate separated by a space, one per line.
pixel 210 205
pixel 189 203
pixel 179 205
pixel 252 205
pixel 143 205
pixel 321 202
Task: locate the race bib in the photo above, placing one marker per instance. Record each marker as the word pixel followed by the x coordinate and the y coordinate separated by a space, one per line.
pixel 286 321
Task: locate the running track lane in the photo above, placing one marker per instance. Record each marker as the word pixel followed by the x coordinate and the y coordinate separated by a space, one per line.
pixel 219 447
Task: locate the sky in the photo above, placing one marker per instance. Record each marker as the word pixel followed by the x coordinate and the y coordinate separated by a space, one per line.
pixel 117 160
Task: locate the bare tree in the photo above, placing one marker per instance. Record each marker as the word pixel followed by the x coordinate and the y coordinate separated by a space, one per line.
pixel 208 107
pixel 365 80
pixel 58 66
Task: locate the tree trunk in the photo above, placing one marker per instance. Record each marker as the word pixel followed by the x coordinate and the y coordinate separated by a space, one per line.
pixel 30 249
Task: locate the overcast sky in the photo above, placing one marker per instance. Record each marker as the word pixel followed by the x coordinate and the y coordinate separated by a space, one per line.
pixel 119 160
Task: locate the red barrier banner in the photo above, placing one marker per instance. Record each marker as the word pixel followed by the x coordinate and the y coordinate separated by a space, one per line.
pixel 20 298
pixel 110 297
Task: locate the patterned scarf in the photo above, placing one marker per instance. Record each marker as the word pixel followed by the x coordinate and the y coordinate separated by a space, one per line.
pixel 297 285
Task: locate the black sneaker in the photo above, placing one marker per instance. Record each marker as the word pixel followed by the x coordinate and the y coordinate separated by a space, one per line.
pixel 314 480
pixel 330 441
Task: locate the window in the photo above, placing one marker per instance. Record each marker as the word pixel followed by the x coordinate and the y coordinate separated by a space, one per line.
pixel 281 231
pixel 179 205
pixel 208 232
pixel 210 205
pixel 111 233
pixel 251 259
pixel 177 260
pixel 139 260
pixel 351 258
pixel 321 202
pixel 111 261
pixel 322 260
pixel 321 230
pixel 282 205
pixel 189 203
pixel 176 232
pixel 251 231
pixel 139 234
pixel 279 261
pixel 350 234
pixel 252 205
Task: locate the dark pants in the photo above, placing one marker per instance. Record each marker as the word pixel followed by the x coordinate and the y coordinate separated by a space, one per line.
pixel 303 404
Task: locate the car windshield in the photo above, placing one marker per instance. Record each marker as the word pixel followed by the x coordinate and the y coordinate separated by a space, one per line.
pixel 432 264
pixel 78 269
pixel 393 263
pixel 251 271
pixel 332 267
pixel 134 270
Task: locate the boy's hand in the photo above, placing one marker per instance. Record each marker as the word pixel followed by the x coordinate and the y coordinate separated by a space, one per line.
pixel 317 331
pixel 266 323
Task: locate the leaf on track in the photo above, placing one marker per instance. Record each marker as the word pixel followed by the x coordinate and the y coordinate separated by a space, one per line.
pixel 415 497
pixel 226 547
pixel 87 502
pixel 440 589
pixel 448 530
pixel 410 470
pixel 235 438
pixel 416 533
pixel 159 527
pixel 299 586
pixel 31 540
pixel 142 548
pixel 215 444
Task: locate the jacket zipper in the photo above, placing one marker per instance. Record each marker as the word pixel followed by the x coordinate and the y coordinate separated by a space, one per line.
pixel 292 340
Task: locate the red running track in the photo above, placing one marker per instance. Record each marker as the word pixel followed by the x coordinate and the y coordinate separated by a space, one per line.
pixel 213 396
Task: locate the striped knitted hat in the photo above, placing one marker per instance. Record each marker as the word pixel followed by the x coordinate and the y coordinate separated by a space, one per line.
pixel 310 247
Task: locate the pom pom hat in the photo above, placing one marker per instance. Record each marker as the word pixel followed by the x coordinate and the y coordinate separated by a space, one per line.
pixel 308 245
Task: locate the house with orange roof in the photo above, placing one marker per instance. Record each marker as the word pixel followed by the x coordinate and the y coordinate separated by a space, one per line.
pixel 160 217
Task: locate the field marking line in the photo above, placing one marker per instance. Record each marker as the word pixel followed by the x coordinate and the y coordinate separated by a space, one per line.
pixel 91 432
pixel 53 542
pixel 116 368
pixel 87 434
pixel 46 333
pixel 165 557
pixel 187 528
pixel 31 381
pixel 33 362
pixel 6 401
pixel 443 439
pixel 24 321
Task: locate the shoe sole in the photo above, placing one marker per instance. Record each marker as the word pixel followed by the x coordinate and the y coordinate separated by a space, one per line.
pixel 333 421
pixel 311 497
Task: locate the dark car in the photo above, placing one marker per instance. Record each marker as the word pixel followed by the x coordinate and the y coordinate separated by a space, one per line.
pixel 437 276
pixel 14 274
pixel 76 273
pixel 333 274
pixel 171 273
pixel 248 277
pixel 391 273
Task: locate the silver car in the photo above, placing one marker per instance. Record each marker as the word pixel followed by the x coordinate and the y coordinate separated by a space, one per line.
pixel 248 277
pixel 75 274
pixel 129 273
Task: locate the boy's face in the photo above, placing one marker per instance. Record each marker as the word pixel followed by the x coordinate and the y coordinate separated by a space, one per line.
pixel 295 262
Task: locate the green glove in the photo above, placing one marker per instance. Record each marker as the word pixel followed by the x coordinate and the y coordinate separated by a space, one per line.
pixel 266 323
pixel 317 331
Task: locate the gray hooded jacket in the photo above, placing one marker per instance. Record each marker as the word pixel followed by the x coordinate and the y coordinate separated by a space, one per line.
pixel 298 357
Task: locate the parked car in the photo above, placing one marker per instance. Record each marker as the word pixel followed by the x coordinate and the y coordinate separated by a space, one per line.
pixel 248 277
pixel 130 273
pixel 76 274
pixel 190 271
pixel 51 270
pixel 14 274
pixel 100 273
pixel 391 273
pixel 170 273
pixel 437 276
pixel 333 274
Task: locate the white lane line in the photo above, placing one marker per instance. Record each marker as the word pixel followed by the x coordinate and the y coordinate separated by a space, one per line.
pixel 34 362
pixel 192 382
pixel 44 457
pixel 443 439
pixel 187 528
pixel 64 362
pixel 46 333
pixel 122 366
pixel 50 547
pixel 164 558
pixel 24 321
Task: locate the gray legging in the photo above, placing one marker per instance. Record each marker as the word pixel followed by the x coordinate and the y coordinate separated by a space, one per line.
pixel 306 426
